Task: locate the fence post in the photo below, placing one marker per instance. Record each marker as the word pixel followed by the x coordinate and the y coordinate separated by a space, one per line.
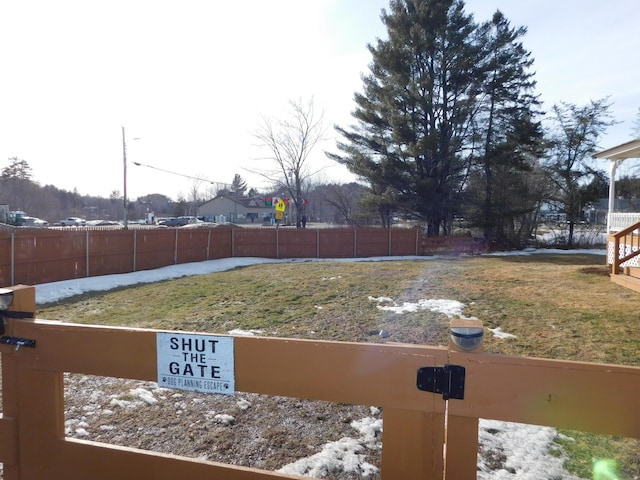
pixel 616 255
pixel 355 242
pixel 461 460
pixel 175 249
pixel 209 245
pixel 135 249
pixel 317 243
pixel 13 257
pixel 88 256
pixel 24 301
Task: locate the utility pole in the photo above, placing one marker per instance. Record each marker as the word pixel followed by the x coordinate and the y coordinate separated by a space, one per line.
pixel 124 159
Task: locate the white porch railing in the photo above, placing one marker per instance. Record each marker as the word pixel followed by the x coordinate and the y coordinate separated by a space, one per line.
pixel 626 244
pixel 620 221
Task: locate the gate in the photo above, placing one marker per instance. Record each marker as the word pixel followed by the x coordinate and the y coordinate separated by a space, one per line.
pixel 36 353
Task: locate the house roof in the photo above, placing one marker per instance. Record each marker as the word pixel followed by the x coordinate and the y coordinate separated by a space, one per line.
pixel 621 152
pixel 247 202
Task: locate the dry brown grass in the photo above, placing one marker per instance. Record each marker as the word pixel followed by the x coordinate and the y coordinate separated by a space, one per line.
pixel 560 307
pixel 557 306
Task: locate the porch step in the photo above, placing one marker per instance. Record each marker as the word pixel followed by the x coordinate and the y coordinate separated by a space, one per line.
pixel 632 272
pixel 627 281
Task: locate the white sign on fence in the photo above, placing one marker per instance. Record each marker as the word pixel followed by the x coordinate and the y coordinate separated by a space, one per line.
pixel 200 363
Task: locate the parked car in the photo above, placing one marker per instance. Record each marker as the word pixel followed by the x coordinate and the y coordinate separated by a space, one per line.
pixel 35 222
pixel 171 222
pixel 101 223
pixel 73 222
pixel 187 219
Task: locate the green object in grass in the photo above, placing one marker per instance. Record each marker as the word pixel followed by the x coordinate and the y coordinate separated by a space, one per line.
pixel 605 469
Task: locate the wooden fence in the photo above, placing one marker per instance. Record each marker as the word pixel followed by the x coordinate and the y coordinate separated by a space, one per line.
pixel 33 256
pixel 33 446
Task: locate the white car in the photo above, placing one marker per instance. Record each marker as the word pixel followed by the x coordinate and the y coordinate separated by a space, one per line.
pixel 73 222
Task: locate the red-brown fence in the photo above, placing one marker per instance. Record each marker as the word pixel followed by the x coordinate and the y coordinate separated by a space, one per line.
pixel 34 256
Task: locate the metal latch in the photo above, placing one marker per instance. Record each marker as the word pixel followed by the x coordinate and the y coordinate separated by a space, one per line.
pixel 447 380
pixel 18 342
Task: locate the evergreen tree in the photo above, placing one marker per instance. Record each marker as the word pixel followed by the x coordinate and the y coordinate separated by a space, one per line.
pixel 627 187
pixel 509 138
pixel 507 206
pixel 16 186
pixel 17 169
pixel 598 188
pixel 413 117
pixel 238 186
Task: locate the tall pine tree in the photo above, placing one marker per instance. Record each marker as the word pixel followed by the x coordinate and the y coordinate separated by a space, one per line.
pixel 412 121
pixel 238 186
pixel 502 198
pixel 446 123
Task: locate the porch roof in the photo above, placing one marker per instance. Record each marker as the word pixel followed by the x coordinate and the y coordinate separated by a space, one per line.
pixel 621 152
pixel 617 155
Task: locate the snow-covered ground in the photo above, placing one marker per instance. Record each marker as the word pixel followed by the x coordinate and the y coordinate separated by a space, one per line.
pixel 529 452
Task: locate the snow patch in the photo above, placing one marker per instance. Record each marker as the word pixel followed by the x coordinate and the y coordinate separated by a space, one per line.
pixel 224 419
pixel 525 452
pixel 145 395
pixel 245 333
pixel 498 333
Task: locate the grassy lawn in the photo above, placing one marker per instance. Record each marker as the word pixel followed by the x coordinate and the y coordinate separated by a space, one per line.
pixel 558 306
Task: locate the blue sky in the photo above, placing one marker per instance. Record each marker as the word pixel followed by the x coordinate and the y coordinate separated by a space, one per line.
pixel 192 79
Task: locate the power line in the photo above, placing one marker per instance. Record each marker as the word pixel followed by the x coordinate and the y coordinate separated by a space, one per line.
pixel 180 174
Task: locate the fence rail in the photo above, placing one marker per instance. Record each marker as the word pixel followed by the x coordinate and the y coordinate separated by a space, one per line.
pixel 591 397
pixel 33 256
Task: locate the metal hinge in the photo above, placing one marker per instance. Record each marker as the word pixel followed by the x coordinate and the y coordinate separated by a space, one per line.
pixel 447 380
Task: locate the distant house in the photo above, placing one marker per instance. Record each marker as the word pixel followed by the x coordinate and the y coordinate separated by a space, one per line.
pixel 592 213
pixel 229 208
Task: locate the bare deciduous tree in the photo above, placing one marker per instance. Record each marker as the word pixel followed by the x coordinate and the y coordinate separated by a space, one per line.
pixel 574 139
pixel 290 142
pixel 635 128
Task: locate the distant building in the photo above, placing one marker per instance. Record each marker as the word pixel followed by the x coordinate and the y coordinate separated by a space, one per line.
pixel 4 213
pixel 240 210
pixel 552 213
